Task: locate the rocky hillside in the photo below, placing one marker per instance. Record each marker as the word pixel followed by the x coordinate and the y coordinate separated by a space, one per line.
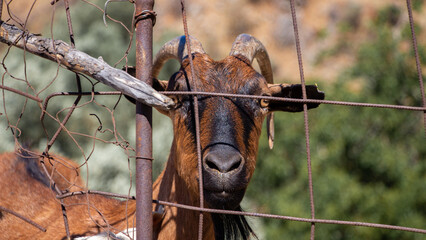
pixel 332 28
pixel 330 31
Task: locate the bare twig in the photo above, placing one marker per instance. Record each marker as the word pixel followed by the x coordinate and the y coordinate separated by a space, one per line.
pixel 80 62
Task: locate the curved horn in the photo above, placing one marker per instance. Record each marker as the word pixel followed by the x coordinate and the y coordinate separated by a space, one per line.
pixel 251 48
pixel 175 49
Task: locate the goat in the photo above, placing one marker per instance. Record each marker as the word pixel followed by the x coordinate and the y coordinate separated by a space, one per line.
pixel 230 130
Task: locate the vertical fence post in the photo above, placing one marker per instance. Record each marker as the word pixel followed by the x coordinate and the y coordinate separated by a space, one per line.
pixel 1 8
pixel 144 124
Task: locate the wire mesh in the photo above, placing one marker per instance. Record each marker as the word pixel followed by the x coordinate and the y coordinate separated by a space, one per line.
pixel 37 95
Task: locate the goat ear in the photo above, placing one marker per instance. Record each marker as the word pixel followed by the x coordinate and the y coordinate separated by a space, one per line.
pixel 293 91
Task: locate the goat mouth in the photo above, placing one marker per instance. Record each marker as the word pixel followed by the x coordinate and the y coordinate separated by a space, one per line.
pixel 229 200
pixel 222 194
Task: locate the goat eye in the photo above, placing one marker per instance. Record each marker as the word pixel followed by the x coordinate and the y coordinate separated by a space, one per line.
pixel 264 103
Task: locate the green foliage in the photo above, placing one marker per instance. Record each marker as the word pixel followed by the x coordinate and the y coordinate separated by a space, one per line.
pixel 368 164
pixel 417 4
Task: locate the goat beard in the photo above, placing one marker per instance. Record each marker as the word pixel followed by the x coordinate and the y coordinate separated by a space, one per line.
pixel 230 227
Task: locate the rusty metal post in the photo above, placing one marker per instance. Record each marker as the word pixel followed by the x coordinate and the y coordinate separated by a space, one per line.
pixel 1 9
pixel 144 25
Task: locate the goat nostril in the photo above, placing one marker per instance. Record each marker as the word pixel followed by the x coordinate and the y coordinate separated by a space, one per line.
pixel 235 166
pixel 212 165
pixel 223 164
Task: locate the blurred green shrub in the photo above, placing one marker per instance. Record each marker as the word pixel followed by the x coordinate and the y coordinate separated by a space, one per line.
pixel 368 164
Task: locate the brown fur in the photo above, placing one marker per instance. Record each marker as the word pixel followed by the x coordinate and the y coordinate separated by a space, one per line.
pixel 179 180
pixel 34 200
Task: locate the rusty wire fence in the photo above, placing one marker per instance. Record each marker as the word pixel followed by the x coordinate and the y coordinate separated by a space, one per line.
pixel 42 97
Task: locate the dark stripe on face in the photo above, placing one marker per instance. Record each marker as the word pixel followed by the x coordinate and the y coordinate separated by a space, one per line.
pixel 223 129
pixel 230 123
pixel 248 127
pixel 243 111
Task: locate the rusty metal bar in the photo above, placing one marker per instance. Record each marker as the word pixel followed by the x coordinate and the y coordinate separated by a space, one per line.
pixel 299 100
pixel 1 9
pixel 144 224
pixel 213 94
pixel 252 214
pixel 289 218
pixel 197 122
pixel 416 54
pixel 305 114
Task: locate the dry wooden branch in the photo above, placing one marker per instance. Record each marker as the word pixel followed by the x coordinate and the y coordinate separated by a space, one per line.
pixel 80 62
